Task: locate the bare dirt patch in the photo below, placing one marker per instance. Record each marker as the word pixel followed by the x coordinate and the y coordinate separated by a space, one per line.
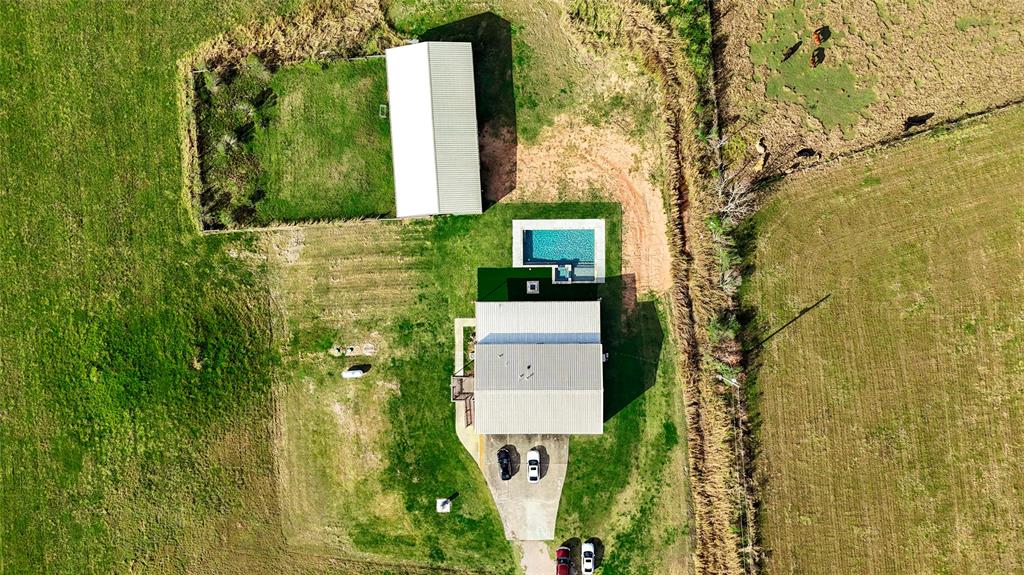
pixel 573 161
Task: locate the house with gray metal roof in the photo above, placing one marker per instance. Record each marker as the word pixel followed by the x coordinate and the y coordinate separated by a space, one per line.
pixel 538 368
pixel 432 110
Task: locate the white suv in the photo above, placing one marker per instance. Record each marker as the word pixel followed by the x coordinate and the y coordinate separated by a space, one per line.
pixel 533 466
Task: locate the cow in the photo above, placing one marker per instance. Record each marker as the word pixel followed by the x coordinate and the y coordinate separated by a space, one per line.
pixel 914 121
pixel 817 57
pixel 822 35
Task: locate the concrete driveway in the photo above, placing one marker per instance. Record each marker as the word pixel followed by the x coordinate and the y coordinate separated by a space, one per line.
pixel 528 511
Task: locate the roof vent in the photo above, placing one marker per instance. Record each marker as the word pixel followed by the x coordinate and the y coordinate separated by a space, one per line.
pixel 532 287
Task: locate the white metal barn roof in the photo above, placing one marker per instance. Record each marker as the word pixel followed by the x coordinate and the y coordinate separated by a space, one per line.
pixel 434 146
pixel 539 368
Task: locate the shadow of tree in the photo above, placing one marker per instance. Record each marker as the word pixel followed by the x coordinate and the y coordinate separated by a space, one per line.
pixel 491 37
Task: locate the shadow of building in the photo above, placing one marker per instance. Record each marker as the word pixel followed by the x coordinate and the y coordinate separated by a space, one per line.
pixel 633 340
pixel 491 37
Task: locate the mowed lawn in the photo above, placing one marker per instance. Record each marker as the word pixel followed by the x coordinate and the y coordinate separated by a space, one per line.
pixel 327 154
pixel 892 415
pixel 352 285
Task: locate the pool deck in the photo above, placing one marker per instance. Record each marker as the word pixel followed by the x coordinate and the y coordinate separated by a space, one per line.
pixel 519 226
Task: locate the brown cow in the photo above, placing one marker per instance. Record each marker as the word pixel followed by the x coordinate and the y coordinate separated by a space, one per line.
pixel 817 57
pixel 822 35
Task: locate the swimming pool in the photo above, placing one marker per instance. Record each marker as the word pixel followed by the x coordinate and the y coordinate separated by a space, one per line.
pixel 573 248
pixel 558 246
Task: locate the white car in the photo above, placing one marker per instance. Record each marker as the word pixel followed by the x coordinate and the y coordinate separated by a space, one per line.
pixel 533 466
pixel 587 554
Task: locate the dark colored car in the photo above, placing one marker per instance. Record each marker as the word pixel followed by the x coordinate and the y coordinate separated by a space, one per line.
pixel 563 560
pixel 505 463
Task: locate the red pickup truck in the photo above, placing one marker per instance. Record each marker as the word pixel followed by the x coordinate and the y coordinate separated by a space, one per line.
pixel 563 561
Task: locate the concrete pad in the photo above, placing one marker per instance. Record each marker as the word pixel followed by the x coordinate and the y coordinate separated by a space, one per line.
pixel 537 559
pixel 467 434
pixel 528 511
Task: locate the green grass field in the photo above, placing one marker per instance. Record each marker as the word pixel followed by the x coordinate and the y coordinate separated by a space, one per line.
pixel 327 154
pixel 891 414
pixel 135 373
pixel 347 285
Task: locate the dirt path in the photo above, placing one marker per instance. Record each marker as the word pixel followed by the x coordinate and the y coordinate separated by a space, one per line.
pixel 576 161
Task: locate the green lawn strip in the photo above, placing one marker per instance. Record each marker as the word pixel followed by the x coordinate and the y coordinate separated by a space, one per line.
pixel 327 154
pixel 632 454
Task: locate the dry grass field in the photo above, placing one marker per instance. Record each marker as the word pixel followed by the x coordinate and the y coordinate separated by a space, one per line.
pixel 891 414
pixel 886 60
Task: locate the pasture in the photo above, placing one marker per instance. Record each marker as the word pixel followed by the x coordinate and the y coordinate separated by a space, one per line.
pixel 136 372
pixel 884 61
pixel 890 415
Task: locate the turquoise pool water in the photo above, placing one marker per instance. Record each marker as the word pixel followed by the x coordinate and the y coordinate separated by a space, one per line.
pixel 559 247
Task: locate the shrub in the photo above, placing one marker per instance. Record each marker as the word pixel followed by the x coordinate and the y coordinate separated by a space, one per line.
pixel 232 106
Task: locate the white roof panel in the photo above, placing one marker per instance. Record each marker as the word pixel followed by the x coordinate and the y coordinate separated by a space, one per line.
pixel 539 366
pixel 434 146
pixel 526 412
pixel 538 322
pixel 412 130
pixel 455 135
